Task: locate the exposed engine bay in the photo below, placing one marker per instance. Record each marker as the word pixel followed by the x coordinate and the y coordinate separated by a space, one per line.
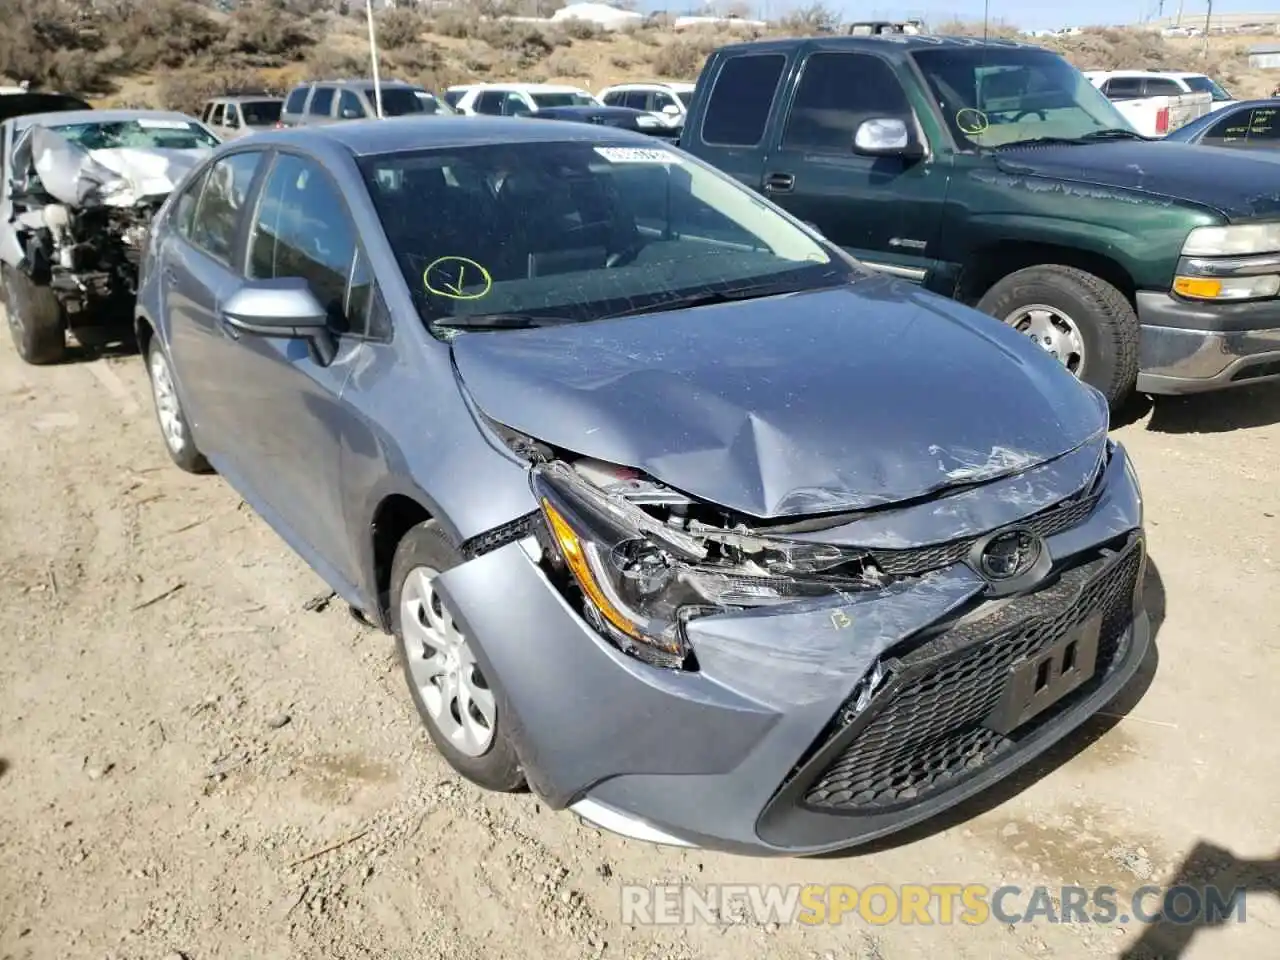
pixel 82 217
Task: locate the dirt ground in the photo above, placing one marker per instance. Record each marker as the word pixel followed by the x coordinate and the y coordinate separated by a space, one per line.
pixel 183 736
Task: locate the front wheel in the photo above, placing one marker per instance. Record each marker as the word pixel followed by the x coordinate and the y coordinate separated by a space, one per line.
pixel 37 321
pixel 170 416
pixel 454 698
pixel 1084 322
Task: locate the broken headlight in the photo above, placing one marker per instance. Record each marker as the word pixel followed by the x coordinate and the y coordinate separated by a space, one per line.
pixel 642 579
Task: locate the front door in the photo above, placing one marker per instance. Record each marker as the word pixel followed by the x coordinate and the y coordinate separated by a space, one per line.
pixel 885 210
pixel 287 412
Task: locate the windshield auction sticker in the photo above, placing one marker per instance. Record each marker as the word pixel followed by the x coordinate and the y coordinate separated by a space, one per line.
pixel 636 155
pixel 456 278
pixel 971 122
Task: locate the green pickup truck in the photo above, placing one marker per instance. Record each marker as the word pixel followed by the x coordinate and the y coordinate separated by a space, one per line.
pixel 995 173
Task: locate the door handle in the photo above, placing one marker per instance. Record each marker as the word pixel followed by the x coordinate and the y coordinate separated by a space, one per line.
pixel 779 182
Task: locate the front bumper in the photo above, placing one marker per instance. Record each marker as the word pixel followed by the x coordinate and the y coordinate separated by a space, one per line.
pixel 1192 348
pixel 743 754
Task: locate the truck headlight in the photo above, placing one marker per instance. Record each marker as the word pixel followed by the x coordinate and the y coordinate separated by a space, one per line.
pixel 1240 239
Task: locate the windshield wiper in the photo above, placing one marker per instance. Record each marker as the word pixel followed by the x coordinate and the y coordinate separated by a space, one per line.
pixel 711 297
pixel 1093 136
pixel 499 321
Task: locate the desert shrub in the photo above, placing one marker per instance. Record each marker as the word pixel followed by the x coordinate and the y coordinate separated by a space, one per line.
pixel 453 23
pixel 621 61
pixel 683 58
pixel 167 33
pixel 331 63
pixel 527 43
pixel 577 29
pixel 809 19
pixel 267 31
pixel 565 64
pixel 187 90
pixel 400 27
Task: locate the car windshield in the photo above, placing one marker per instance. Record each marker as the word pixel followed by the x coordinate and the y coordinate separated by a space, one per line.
pixel 993 96
pixel 563 100
pixel 576 231
pixel 404 101
pixel 166 133
pixel 261 113
pixel 1206 85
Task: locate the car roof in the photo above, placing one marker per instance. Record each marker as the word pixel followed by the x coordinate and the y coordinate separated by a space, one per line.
pixel 529 87
pixel 402 134
pixel 244 98
pixel 66 117
pixel 883 42
pixel 652 84
pixel 358 82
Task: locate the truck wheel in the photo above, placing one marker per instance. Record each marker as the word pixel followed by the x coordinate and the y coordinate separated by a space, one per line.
pixel 454 699
pixel 37 321
pixel 1080 319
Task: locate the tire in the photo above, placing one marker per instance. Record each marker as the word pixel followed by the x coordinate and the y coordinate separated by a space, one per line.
pixel 478 751
pixel 175 430
pixel 37 322
pixel 1104 319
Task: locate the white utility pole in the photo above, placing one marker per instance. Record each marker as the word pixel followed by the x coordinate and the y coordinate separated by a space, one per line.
pixel 373 59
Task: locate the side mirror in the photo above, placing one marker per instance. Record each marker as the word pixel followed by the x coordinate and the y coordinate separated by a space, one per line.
pixel 350 114
pixel 671 110
pixel 886 137
pixel 283 308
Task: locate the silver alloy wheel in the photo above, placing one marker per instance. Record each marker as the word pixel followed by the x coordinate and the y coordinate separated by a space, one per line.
pixel 1054 331
pixel 168 410
pixel 443 667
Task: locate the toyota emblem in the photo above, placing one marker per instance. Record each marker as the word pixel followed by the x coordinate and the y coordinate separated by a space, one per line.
pixel 1009 555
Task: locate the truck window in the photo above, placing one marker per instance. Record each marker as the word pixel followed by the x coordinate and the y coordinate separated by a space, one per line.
pixel 297 100
pixel 740 100
pixel 321 102
pixel 1163 87
pixel 1124 88
pixel 837 92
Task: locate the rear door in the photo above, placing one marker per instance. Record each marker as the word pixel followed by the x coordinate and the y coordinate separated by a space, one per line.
pixel 735 118
pixel 199 270
pixel 884 210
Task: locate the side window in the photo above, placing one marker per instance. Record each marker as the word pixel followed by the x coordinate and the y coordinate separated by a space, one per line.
pixel 302 230
pixel 216 115
pixel 613 98
pixel 233 116
pixel 221 203
pixel 1123 88
pixel 349 106
pixel 837 92
pixel 490 102
pixel 740 101
pixel 1264 126
pixel 365 311
pixel 321 102
pixel 206 112
pixel 1162 87
pixel 663 100
pixel 297 100
pixel 513 105
pixel 184 207
pixel 1230 129
pixel 636 100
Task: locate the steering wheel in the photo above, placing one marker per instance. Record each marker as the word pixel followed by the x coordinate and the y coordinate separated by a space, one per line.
pixel 1039 113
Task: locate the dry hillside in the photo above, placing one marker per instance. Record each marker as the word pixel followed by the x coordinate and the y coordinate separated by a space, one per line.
pixel 174 53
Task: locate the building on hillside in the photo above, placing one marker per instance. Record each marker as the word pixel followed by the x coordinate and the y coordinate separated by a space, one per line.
pixel 1265 57
pixel 601 14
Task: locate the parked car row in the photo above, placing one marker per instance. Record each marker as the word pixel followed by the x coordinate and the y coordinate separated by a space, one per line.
pixel 794 547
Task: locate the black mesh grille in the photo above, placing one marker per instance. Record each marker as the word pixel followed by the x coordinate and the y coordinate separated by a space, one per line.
pixel 926 726
pixel 917 560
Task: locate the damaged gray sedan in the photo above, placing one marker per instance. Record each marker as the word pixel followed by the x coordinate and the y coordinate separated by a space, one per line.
pixel 679 516
pixel 79 189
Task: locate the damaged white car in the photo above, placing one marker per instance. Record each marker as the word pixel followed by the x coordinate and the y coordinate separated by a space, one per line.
pixel 79 190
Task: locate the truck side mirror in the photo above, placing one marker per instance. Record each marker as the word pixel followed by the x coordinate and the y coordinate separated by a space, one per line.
pixel 886 137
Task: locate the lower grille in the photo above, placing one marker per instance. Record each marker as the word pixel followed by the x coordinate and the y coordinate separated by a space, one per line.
pixel 903 563
pixel 931 723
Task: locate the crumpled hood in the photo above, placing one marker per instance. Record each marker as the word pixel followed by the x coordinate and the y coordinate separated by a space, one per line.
pixel 146 173
pixel 1240 184
pixel 815 402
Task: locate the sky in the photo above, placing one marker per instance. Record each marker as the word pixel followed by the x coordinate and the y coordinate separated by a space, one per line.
pixel 1026 14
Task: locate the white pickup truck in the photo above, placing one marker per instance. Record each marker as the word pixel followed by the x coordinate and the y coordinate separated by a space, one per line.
pixel 1155 103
